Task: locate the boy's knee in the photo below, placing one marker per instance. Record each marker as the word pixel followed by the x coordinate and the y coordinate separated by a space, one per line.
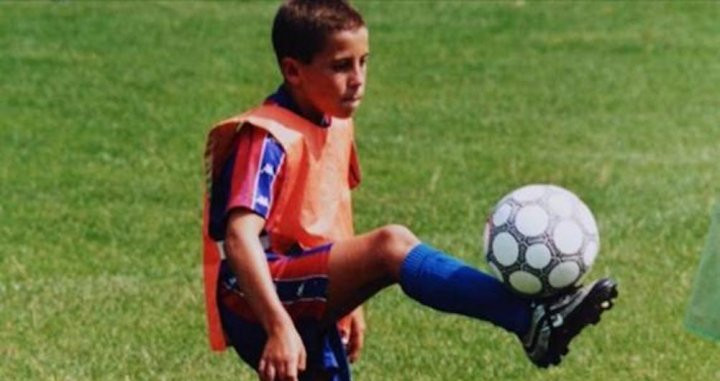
pixel 393 243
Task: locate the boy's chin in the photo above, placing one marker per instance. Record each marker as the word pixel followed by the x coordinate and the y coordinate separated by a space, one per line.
pixel 344 112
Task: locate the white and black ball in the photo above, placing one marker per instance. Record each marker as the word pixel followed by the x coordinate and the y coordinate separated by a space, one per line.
pixel 540 239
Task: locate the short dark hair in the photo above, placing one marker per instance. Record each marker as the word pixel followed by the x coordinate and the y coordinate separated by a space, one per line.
pixel 301 27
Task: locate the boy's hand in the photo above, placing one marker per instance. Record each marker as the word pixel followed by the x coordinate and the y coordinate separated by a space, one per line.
pixel 356 336
pixel 284 355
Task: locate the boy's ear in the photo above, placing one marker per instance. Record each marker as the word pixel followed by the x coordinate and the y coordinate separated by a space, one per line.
pixel 290 68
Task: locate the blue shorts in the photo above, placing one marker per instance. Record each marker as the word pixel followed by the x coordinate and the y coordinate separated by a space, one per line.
pixel 301 282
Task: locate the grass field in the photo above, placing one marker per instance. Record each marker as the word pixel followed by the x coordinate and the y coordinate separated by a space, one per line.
pixel 103 113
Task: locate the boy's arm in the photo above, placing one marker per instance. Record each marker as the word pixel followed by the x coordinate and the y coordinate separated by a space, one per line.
pixel 284 353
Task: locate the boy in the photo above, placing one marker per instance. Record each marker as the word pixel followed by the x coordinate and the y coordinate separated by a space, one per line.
pixel 282 263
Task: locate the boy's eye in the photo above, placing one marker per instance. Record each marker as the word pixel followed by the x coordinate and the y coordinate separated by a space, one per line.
pixel 345 65
pixel 342 65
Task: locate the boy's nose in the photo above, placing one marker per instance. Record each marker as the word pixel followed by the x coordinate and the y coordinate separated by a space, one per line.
pixel 357 77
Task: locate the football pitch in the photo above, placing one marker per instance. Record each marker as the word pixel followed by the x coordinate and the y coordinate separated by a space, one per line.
pixel 104 109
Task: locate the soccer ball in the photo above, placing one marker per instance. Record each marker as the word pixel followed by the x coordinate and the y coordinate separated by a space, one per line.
pixel 540 239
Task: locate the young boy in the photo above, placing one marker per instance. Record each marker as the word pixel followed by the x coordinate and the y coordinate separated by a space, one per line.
pixel 282 263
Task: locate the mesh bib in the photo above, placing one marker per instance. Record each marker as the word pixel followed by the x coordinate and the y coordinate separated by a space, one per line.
pixel 703 312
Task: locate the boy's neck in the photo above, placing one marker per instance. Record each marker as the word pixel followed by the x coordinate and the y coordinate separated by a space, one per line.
pixel 290 99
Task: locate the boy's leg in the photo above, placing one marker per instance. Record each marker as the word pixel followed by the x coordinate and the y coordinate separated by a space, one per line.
pixel 361 266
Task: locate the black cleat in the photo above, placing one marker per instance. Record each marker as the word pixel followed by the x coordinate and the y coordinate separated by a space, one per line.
pixel 557 320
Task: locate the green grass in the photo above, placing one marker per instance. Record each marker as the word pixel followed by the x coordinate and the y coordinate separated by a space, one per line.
pixel 103 113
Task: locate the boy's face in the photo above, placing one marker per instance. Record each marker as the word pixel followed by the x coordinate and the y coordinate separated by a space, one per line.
pixel 334 81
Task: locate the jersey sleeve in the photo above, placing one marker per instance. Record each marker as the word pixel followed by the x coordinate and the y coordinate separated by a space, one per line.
pixel 256 173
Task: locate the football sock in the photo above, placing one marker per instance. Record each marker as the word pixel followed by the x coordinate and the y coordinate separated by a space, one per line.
pixel 447 284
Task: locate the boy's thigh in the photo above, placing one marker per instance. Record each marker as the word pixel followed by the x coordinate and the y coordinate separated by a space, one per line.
pixel 362 265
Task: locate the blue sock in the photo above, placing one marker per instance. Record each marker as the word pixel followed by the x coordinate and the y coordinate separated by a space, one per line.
pixel 447 284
